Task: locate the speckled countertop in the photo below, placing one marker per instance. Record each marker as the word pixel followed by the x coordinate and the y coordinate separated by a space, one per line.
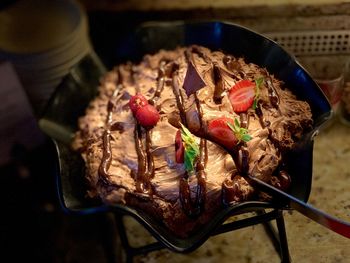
pixel 308 241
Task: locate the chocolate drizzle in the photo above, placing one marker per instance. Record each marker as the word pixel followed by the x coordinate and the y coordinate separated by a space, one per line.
pixel 195 49
pixel 231 63
pixel 106 156
pixel 201 164
pixel 272 93
pixel 106 159
pixel 179 99
pixel 145 158
pixel 231 189
pixel 260 115
pixel 191 207
pixel 117 126
pixel 219 85
pixel 160 84
pixel 145 171
pixel 234 66
pixel 244 120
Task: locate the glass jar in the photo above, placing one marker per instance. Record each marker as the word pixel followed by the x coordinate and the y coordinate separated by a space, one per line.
pixel 329 72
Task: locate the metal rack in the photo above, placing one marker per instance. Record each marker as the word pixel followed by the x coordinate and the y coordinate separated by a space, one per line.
pixel 277 236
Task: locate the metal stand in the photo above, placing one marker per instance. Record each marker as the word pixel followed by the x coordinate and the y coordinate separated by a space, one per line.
pixel 277 236
pixel 130 251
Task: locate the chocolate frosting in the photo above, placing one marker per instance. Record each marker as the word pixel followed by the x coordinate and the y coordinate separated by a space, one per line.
pixel 137 167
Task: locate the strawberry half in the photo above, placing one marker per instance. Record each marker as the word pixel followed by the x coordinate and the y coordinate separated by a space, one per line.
pixel 221 133
pixel 179 148
pixel 147 116
pixel 242 95
pixel 136 102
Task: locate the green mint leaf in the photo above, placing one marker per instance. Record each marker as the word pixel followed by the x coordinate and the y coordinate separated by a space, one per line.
pixel 237 125
pixel 190 157
pixel 258 83
pixel 231 127
pixel 187 137
pixel 191 148
pixel 255 103
pixel 185 130
pixel 240 133
pixel 246 137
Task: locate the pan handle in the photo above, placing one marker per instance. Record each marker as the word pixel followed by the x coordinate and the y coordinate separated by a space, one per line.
pixel 339 226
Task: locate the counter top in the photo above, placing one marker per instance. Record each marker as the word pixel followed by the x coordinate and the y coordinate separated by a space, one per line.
pixel 308 241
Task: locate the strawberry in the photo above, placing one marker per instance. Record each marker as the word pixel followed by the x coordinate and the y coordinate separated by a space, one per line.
pixel 179 148
pixel 147 116
pixel 136 102
pixel 242 95
pixel 221 133
pixel 227 132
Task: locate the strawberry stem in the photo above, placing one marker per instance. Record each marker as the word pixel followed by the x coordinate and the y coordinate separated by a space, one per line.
pixel 240 133
pixel 258 83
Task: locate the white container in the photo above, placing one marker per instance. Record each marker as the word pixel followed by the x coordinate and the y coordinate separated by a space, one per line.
pixel 43 40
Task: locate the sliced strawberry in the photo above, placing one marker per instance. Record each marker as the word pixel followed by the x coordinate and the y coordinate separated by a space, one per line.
pixel 136 102
pixel 147 116
pixel 179 148
pixel 221 133
pixel 242 95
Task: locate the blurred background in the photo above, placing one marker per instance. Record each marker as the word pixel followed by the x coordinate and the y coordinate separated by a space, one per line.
pixel 42 41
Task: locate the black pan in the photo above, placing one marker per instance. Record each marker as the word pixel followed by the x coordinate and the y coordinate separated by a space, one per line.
pixel 73 95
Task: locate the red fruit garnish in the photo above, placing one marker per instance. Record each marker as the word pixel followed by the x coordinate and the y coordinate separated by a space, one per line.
pixel 221 133
pixel 242 95
pixel 179 148
pixel 147 116
pixel 137 102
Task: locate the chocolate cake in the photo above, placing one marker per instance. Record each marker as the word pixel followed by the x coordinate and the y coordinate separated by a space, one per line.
pixel 175 135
